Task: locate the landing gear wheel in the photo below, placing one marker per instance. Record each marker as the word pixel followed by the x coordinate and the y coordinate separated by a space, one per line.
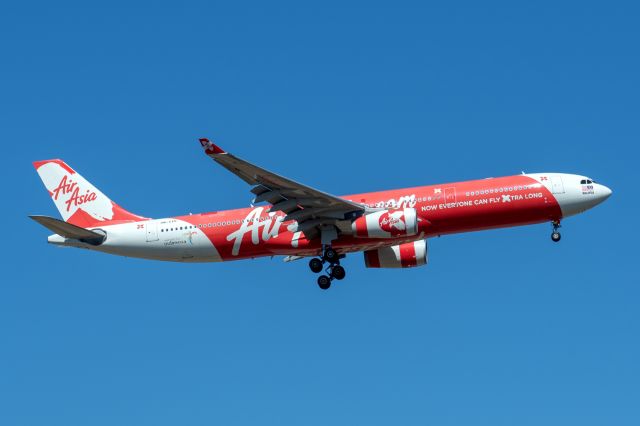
pixel 324 282
pixel 315 265
pixel 330 255
pixel 555 235
pixel 338 272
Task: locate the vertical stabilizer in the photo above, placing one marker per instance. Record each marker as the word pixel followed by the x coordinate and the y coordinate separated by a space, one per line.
pixel 78 201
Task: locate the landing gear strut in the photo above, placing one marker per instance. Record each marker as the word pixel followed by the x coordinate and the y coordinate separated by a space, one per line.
pixel 334 270
pixel 555 235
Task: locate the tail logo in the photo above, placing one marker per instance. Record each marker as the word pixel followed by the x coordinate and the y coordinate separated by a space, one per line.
pixel 72 193
pixel 67 186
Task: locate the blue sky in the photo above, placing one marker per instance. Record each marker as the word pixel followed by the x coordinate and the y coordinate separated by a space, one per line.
pixel 501 328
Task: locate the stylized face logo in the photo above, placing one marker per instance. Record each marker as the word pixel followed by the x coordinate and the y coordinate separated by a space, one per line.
pixel 393 223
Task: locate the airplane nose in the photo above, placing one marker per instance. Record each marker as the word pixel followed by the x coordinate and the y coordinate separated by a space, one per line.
pixel 602 192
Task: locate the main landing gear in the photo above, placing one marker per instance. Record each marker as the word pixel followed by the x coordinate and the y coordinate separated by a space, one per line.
pixel 334 271
pixel 555 235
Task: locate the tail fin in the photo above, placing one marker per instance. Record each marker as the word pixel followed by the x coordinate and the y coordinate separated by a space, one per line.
pixel 78 201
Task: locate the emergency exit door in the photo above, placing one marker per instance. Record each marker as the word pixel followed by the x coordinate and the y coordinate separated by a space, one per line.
pixel 556 185
pixel 152 230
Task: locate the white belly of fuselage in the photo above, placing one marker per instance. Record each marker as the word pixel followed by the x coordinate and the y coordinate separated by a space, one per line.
pixel 145 240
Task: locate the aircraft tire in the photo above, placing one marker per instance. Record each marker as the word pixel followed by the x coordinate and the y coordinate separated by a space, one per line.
pixel 338 272
pixel 324 282
pixel 330 255
pixel 315 265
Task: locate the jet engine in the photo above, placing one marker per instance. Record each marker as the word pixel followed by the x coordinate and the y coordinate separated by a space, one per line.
pixel 386 224
pixel 405 255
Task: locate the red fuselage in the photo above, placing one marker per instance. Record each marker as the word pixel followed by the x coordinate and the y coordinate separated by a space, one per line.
pixel 442 209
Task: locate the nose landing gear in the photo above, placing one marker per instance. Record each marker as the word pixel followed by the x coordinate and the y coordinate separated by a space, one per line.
pixel 334 270
pixel 555 235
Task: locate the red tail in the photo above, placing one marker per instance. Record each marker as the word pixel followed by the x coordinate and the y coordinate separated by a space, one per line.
pixel 78 201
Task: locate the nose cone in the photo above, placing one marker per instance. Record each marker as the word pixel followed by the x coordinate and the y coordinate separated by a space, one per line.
pixel 602 193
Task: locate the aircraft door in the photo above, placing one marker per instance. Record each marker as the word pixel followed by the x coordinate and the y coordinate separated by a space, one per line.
pixel 151 227
pixel 556 185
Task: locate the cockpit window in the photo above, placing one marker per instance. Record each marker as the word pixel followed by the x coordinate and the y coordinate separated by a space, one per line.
pixel 583 182
pixel 586 181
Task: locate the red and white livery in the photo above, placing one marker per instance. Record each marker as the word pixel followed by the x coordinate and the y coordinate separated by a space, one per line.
pixel 293 220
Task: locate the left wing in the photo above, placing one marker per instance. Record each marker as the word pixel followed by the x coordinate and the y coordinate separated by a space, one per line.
pixel 314 210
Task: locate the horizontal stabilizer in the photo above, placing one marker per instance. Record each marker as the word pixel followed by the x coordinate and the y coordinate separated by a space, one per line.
pixel 68 230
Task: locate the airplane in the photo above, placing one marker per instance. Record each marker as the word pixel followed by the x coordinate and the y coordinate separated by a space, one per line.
pixel 289 219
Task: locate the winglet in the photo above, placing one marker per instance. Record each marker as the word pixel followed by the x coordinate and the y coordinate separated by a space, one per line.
pixel 210 148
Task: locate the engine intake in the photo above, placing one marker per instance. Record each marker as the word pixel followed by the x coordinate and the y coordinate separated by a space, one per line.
pixel 387 224
pixel 407 255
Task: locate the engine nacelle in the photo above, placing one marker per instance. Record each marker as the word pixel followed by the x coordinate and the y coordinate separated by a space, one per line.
pixel 386 224
pixel 405 255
